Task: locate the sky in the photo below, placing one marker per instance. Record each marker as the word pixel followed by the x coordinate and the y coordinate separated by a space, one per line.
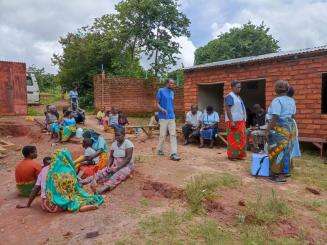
pixel 30 29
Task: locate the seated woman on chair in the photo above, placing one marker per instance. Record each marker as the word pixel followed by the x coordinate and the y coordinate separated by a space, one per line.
pixel 209 126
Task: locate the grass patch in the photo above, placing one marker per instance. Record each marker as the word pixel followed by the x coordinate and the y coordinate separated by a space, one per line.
pixel 204 187
pixel 182 228
pixel 50 98
pixel 311 170
pixel 265 210
pixel 209 232
pixel 31 111
pixel 163 229
pixel 253 234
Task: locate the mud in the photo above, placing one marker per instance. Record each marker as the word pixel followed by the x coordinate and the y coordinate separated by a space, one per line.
pixel 157 189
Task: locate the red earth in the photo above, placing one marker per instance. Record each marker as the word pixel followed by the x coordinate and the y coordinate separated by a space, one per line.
pixel 157 181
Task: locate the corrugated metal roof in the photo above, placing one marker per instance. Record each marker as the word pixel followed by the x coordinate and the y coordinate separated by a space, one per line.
pixel 257 58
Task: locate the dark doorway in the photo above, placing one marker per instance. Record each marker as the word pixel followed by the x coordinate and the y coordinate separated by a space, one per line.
pixel 324 94
pixel 211 94
pixel 253 92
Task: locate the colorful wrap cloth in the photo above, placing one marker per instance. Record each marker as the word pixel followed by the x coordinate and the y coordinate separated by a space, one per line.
pixel 236 139
pixel 280 143
pixel 62 187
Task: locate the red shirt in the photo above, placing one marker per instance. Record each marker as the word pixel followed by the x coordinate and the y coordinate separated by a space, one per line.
pixel 27 171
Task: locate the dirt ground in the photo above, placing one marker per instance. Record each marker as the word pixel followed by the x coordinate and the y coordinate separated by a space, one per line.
pixel 157 186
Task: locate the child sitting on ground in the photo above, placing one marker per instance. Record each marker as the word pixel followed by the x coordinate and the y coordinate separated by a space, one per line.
pixel 39 186
pixel 122 119
pixel 27 170
pixel 100 115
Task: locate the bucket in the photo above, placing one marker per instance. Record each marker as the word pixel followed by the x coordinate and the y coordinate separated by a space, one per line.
pixel 260 165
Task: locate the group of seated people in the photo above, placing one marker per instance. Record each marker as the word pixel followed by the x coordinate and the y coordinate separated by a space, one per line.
pixel 63 128
pixel 112 118
pixel 60 179
pixel 203 126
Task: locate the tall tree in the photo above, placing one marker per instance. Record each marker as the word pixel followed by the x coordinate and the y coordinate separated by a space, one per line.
pixel 153 26
pixel 248 40
pixel 89 50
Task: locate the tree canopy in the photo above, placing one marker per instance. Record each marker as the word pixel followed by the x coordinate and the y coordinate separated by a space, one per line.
pixel 115 42
pixel 248 40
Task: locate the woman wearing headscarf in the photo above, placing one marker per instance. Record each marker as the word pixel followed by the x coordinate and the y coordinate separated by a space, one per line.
pixel 281 130
pixel 236 123
pixel 100 146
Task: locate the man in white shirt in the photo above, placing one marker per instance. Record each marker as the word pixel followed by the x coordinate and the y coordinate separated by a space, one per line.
pixel 192 123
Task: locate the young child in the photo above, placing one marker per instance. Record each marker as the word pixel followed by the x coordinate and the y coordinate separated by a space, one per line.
pixel 100 115
pixel 122 119
pixel 39 185
pixel 27 170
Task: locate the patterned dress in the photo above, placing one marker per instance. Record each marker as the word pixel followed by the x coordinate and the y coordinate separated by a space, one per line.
pixel 62 187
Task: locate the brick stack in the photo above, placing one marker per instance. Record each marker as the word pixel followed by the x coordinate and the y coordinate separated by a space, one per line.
pixel 304 73
pixel 134 96
pixel 13 90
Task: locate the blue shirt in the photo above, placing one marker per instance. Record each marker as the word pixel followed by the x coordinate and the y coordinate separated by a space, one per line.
pixel 100 144
pixel 283 106
pixel 73 94
pixel 165 98
pixel 69 122
pixel 211 119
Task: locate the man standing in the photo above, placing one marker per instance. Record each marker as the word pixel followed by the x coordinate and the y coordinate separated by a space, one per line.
pixel 73 96
pixel 165 104
pixel 236 123
pixel 192 123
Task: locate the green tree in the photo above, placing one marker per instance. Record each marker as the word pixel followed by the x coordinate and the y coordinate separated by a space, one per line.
pixel 152 26
pixel 89 50
pixel 249 40
pixel 46 81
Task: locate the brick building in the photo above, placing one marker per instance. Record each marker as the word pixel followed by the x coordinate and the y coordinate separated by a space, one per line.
pixel 306 71
pixel 13 90
pixel 134 96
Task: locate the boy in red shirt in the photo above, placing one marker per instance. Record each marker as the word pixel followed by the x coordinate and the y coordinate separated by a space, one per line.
pixel 27 170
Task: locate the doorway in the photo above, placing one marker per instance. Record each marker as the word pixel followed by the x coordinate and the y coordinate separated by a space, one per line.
pixel 253 92
pixel 211 94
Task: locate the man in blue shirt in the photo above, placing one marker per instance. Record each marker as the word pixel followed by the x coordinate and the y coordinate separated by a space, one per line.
pixel 165 104
pixel 73 96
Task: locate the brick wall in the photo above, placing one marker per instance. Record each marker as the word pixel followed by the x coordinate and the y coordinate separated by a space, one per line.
pixel 303 73
pixel 13 91
pixel 131 95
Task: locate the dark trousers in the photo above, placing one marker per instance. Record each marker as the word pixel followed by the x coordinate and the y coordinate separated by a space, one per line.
pixel 189 131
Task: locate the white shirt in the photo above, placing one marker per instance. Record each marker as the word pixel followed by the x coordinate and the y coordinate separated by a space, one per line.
pixel 41 180
pixel 194 120
pixel 119 151
pixel 89 152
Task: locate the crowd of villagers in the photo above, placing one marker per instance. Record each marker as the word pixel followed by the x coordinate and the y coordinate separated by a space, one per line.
pixel 60 178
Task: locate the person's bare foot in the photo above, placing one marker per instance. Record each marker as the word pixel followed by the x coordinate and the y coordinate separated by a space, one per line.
pixel 88 208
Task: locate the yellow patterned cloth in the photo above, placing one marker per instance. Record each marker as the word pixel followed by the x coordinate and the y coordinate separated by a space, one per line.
pixel 62 187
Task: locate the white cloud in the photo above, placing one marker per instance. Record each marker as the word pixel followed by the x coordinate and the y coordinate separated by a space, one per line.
pixel 218 30
pixel 187 52
pixel 30 29
pixel 295 23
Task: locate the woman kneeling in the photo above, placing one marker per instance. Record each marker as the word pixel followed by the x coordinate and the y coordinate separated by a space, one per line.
pixel 119 168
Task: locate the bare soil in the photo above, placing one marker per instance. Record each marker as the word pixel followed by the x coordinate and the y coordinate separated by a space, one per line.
pixel 156 186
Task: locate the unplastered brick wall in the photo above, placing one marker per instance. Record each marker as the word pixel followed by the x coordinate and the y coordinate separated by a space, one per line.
pixel 134 96
pixel 13 91
pixel 304 73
